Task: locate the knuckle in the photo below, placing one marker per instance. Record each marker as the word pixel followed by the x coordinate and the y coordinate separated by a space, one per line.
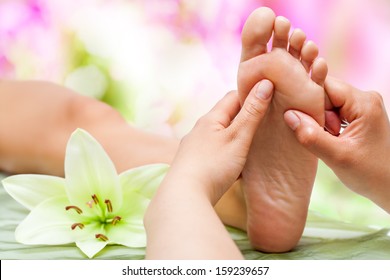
pixel 253 109
pixel 232 135
pixel 202 121
pixel 375 104
pixel 376 99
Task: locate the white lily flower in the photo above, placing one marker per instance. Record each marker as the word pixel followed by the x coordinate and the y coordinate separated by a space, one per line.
pixel 92 206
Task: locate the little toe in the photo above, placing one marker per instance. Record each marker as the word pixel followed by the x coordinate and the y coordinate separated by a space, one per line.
pixel 319 70
pixel 281 31
pixel 308 54
pixel 297 39
pixel 257 32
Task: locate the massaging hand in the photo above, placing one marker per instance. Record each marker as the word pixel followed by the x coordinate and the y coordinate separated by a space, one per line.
pixel 360 155
pixel 215 151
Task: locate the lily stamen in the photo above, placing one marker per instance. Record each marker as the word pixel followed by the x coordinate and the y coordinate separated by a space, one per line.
pixel 77 209
pixel 102 237
pixel 109 205
pixel 95 199
pixel 79 225
pixel 115 220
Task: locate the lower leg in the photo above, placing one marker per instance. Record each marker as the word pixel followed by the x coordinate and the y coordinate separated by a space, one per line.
pixel 37 118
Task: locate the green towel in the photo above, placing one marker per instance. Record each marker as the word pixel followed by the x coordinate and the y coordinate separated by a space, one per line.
pixel 323 239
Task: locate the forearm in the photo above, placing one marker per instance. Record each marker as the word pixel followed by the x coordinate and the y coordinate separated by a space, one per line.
pixel 182 224
pixel 37 118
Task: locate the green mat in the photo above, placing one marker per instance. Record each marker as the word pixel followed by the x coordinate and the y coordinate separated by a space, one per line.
pixel 323 239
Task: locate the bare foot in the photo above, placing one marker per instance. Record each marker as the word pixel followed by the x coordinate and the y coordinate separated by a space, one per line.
pixel 279 173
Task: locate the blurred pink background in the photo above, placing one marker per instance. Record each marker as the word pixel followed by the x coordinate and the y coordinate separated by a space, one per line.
pixel 164 63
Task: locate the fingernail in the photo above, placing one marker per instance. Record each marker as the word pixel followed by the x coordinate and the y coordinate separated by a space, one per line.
pixel 292 120
pixel 264 89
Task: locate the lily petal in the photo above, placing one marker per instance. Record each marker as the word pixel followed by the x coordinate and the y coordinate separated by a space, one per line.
pixel 130 230
pixel 135 207
pixel 144 179
pixel 89 171
pixel 49 223
pixel 91 247
pixel 31 190
pixel 128 234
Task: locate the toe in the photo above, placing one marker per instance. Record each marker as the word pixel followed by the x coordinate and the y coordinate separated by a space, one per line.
pixel 257 32
pixel 281 31
pixel 308 54
pixel 319 70
pixel 297 40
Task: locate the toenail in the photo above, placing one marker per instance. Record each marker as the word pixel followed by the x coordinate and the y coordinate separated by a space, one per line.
pixel 264 89
pixel 292 120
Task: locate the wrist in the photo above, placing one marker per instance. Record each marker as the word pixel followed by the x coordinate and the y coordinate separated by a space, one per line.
pixel 172 197
pixel 192 181
pixel 381 196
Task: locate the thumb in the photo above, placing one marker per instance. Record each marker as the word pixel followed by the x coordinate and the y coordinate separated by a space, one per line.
pixel 253 111
pixel 312 136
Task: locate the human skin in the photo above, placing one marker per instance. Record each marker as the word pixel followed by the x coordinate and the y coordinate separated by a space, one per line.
pixel 360 155
pixel 181 222
pixel 279 174
pixel 37 119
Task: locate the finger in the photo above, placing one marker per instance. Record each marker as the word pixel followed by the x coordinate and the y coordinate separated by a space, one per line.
pixel 337 91
pixel 348 100
pixel 312 136
pixel 328 103
pixel 332 122
pixel 226 109
pixel 253 110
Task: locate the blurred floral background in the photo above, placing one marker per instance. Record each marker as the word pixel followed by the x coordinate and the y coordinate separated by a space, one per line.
pixel 164 63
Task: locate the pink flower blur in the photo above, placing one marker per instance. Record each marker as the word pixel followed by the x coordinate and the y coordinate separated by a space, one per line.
pixel 352 36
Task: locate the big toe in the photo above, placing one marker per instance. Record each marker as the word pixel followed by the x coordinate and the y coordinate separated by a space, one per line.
pixel 257 32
